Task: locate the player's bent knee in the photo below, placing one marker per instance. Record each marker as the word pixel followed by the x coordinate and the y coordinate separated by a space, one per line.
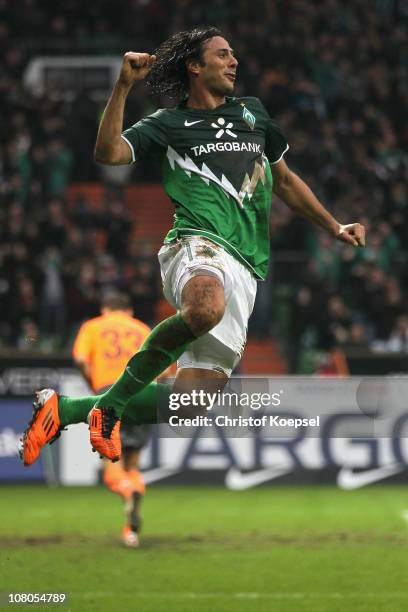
pixel 201 319
pixel 202 303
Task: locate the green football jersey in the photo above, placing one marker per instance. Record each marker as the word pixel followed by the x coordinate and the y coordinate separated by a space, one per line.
pixel 216 172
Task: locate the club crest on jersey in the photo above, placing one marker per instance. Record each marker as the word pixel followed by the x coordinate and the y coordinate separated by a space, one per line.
pixel 249 118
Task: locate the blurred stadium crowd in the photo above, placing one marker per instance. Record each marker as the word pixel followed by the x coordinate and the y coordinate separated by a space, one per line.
pixel 333 74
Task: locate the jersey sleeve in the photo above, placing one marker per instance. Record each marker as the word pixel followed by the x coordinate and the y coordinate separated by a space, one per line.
pixel 276 144
pixel 147 138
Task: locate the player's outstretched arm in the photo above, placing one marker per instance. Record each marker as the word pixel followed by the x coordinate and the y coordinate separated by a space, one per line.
pixel 110 148
pixel 299 197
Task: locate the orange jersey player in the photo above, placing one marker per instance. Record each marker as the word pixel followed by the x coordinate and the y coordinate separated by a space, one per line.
pixel 101 350
pixel 105 344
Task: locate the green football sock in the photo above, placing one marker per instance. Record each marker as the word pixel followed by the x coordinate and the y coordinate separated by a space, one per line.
pixel 74 409
pixel 141 408
pixel 164 345
pixel 148 406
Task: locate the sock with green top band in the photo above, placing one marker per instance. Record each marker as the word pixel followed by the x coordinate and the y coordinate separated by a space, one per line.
pixel 141 409
pixel 164 345
pixel 73 410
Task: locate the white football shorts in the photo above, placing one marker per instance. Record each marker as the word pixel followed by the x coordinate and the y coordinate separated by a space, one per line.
pixel 180 260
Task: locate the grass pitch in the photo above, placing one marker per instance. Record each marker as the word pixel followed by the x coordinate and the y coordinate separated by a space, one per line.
pixel 204 548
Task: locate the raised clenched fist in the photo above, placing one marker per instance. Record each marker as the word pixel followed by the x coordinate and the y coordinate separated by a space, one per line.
pixel 135 67
pixel 353 233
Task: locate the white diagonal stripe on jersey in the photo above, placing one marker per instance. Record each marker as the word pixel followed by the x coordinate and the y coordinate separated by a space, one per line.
pixel 205 173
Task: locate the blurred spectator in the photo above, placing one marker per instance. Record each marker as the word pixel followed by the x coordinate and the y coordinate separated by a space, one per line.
pixel 52 320
pixel 334 325
pixel 23 305
pixel 59 167
pixel 141 280
pixel 81 292
pixel 304 323
pixel 54 223
pixel 29 337
pixel 358 336
pixel 398 339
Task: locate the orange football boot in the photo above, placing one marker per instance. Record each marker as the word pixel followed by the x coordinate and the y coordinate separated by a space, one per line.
pixel 104 428
pixel 44 425
pixel 130 538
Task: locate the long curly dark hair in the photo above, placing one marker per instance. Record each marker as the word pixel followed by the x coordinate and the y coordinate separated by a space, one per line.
pixel 168 75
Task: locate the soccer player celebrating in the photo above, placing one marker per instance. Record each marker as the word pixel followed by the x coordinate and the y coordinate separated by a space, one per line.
pixel 221 158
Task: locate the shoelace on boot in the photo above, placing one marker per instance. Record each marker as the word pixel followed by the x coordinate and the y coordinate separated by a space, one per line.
pixel 109 420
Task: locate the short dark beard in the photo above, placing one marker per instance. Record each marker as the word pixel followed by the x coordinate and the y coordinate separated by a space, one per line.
pixel 221 93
